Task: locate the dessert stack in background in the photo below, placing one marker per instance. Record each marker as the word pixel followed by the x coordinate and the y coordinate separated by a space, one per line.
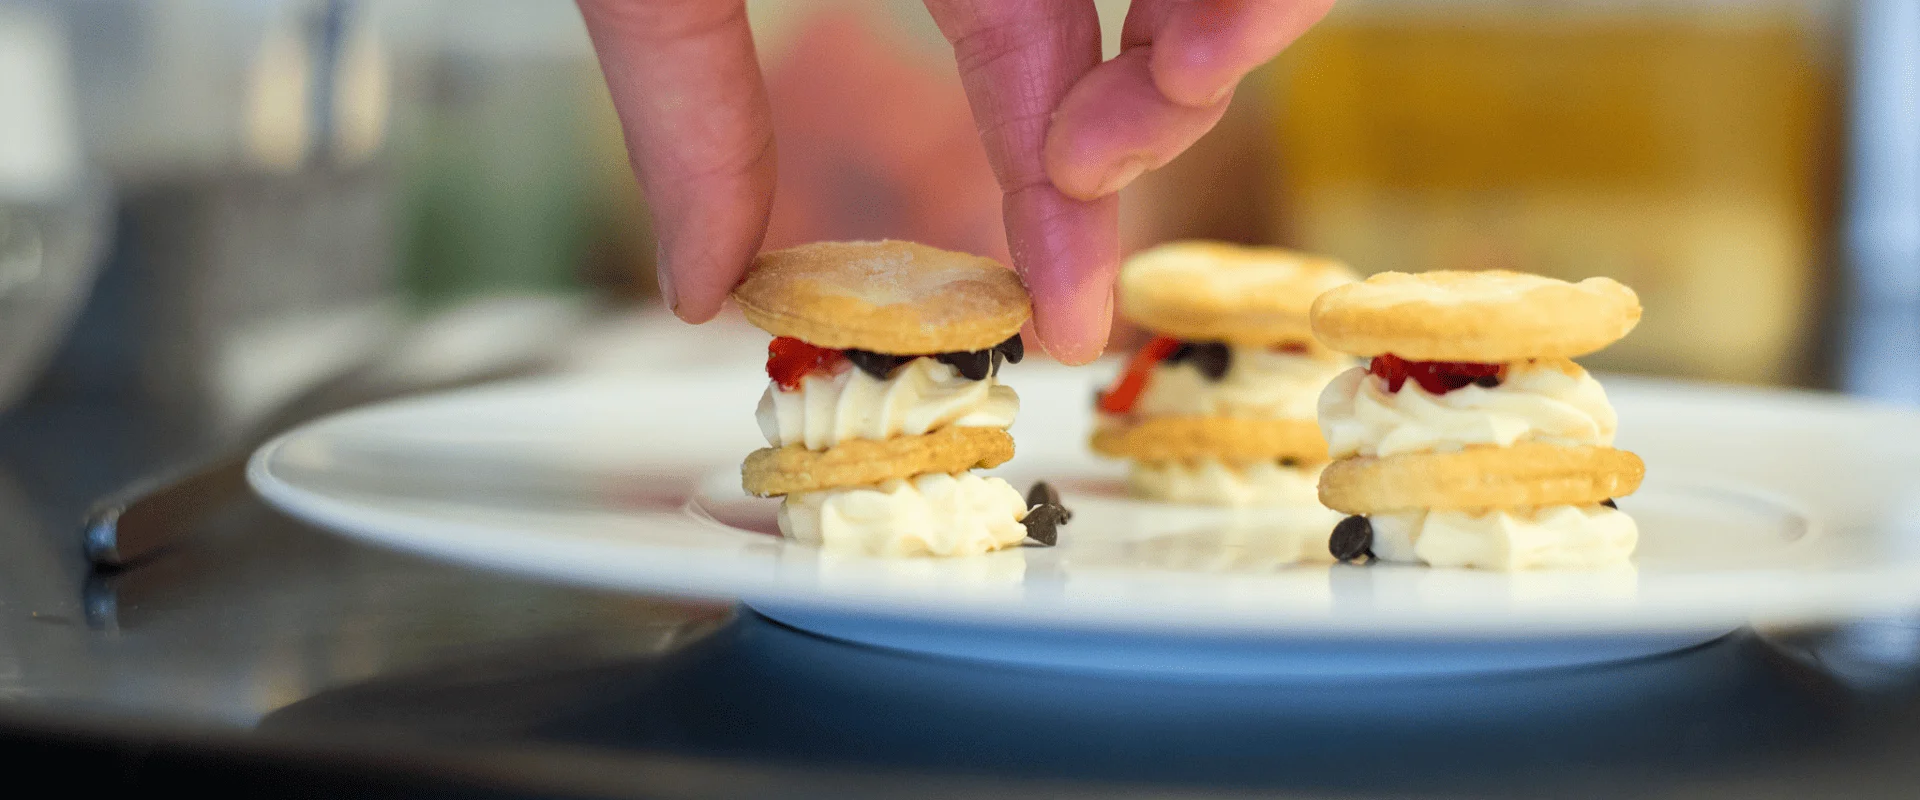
pixel 1218 408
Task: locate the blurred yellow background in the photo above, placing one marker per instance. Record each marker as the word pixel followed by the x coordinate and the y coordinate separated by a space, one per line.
pixel 1690 155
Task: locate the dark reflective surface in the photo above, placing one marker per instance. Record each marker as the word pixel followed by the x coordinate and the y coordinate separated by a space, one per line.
pixel 251 611
pixel 262 654
pixel 762 692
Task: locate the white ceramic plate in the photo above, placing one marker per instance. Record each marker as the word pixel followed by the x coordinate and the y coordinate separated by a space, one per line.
pixel 1759 506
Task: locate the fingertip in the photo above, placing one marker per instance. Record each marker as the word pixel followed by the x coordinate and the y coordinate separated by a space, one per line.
pixel 694 286
pixel 1075 341
pixel 695 316
pixel 699 307
pixel 1068 253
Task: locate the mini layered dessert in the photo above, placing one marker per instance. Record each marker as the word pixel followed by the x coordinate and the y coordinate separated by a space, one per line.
pixel 883 396
pixel 1218 408
pixel 1470 439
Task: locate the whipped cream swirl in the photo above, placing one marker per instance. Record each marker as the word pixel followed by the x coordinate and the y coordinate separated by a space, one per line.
pixel 1551 402
pixel 1260 383
pixel 927 515
pixel 1552 537
pixel 1209 482
pixel 920 397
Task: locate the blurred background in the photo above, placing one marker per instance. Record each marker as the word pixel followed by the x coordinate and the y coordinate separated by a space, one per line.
pixel 208 207
pixel 219 217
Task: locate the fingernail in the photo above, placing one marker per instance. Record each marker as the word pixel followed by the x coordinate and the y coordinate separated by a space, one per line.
pixel 664 274
pixel 1128 171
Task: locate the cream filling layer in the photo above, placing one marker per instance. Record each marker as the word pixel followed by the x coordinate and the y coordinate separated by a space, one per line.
pixel 1260 382
pixel 1536 402
pixel 1552 537
pixel 921 396
pixel 1210 482
pixel 926 515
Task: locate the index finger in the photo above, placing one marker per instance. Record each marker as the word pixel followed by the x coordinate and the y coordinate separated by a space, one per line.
pixel 1017 59
pixel 686 83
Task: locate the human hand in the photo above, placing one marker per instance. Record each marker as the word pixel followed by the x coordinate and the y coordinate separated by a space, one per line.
pixel 1063 130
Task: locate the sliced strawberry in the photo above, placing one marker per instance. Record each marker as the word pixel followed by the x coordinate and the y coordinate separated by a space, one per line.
pixel 1126 390
pixel 1390 368
pixel 1437 377
pixel 789 360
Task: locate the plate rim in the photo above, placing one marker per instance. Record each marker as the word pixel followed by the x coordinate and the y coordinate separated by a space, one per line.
pixel 1836 594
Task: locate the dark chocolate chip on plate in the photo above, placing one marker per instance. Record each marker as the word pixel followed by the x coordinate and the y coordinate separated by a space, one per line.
pixel 1043 494
pixel 1607 502
pixel 1487 381
pixel 1045 514
pixel 1043 524
pixel 1352 539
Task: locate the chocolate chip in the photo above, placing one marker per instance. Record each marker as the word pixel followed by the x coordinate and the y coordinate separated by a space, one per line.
pixel 1045 514
pixel 1043 494
pixel 1487 381
pixel 1352 538
pixel 1013 349
pixel 1607 502
pixel 879 365
pixel 974 365
pixel 1181 353
pixel 1289 462
pixel 1213 359
pixel 1043 523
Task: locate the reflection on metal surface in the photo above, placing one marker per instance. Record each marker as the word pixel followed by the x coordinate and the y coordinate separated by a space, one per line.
pixel 764 693
pixel 21 251
pixel 254 612
pixel 1873 655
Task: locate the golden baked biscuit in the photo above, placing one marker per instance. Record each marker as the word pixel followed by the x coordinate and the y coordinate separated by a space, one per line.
pixel 772 471
pixel 890 297
pixel 1487 317
pixel 1526 475
pixel 1231 440
pixel 1217 292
